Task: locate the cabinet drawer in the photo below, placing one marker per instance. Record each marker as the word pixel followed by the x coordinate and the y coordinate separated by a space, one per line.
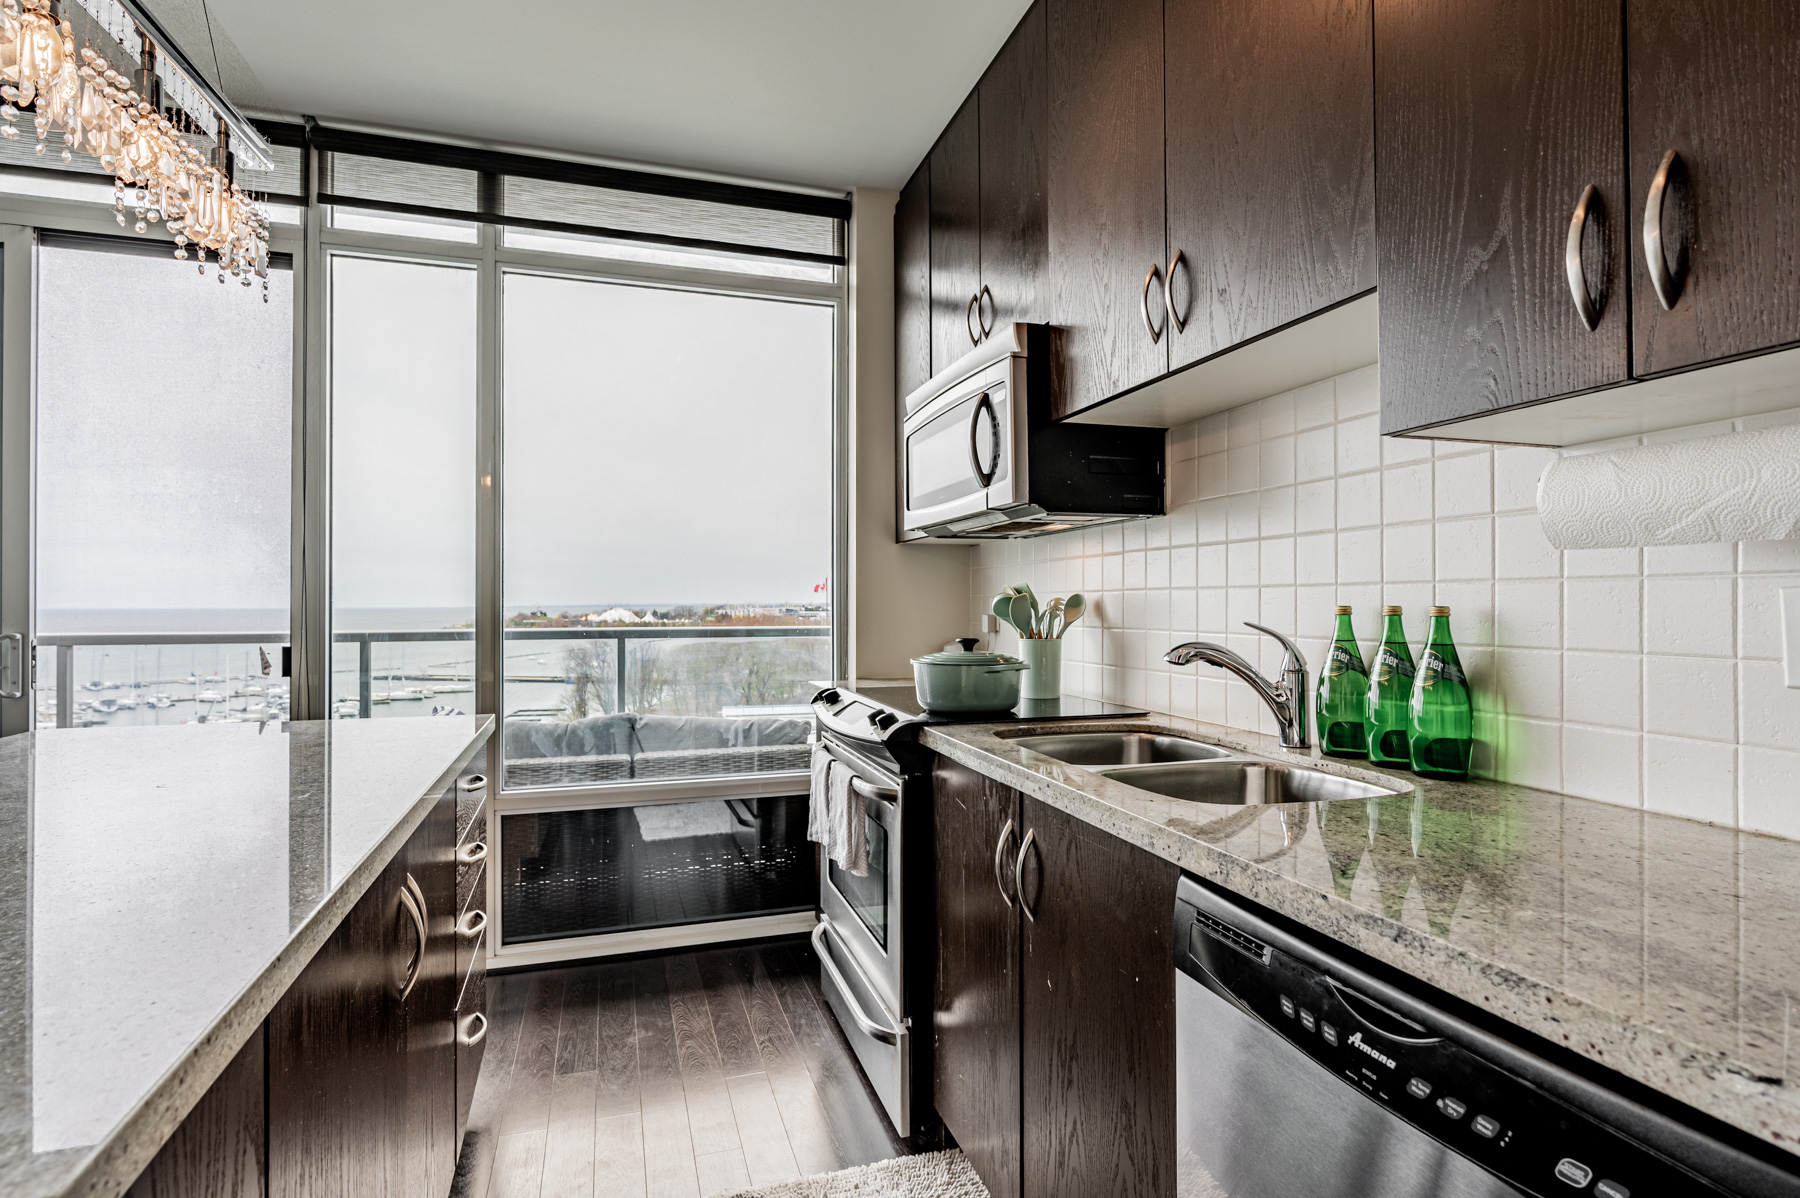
pixel 471 923
pixel 471 872
pixel 471 1034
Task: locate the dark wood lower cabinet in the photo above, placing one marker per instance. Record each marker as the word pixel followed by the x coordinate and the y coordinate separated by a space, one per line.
pixel 357 1082
pixel 1055 1031
pixel 975 1021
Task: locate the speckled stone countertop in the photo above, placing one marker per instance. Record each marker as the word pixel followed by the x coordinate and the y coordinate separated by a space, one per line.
pixel 160 889
pixel 1665 949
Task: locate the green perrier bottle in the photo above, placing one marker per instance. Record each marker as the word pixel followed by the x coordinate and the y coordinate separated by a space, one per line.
pixel 1343 695
pixel 1390 692
pixel 1439 719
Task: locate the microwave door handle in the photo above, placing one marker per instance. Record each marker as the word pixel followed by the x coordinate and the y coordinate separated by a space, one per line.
pixel 984 477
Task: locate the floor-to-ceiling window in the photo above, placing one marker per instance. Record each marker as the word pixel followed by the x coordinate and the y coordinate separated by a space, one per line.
pixel 164 476
pixel 402 353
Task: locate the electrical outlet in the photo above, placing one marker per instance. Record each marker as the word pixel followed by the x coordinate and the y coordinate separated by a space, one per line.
pixel 1790 635
pixel 990 623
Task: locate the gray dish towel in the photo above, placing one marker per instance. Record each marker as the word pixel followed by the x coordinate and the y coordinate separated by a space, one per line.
pixel 835 816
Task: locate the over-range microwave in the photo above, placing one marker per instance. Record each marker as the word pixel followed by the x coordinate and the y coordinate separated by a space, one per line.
pixel 980 457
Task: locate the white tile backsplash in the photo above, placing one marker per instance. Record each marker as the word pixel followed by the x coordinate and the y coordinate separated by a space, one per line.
pixel 1641 677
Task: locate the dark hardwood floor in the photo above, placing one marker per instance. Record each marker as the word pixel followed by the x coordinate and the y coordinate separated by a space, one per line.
pixel 683 1075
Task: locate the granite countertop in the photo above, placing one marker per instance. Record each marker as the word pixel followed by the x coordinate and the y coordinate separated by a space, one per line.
pixel 1663 948
pixel 160 889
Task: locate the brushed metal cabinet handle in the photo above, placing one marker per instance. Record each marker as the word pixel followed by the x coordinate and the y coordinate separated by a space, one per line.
pixel 1666 279
pixel 1587 305
pixel 472 782
pixel 969 319
pixel 17 674
pixel 475 1029
pixel 981 312
pixel 1174 317
pixel 999 857
pixel 475 850
pixel 472 923
pixel 416 966
pixel 1018 872
pixel 1144 304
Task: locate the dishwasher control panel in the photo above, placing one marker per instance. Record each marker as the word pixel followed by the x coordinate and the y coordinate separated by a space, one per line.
pixel 1398 1055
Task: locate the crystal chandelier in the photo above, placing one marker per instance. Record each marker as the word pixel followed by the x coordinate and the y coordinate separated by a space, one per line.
pixel 121 122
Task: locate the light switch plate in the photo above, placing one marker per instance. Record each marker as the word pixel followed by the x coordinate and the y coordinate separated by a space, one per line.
pixel 1790 635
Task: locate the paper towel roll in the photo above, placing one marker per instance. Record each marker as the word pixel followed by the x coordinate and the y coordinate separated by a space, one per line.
pixel 1733 487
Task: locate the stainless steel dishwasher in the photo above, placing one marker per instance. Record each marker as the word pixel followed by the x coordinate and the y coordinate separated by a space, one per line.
pixel 1301 1074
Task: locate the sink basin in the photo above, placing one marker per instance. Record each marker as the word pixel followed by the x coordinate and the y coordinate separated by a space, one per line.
pixel 1244 783
pixel 1098 750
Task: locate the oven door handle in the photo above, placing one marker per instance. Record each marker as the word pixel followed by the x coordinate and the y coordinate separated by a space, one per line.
pixel 881 794
pixel 867 782
pixel 820 936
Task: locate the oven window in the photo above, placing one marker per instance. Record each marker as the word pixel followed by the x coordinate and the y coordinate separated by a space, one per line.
pixel 868 895
pixel 938 468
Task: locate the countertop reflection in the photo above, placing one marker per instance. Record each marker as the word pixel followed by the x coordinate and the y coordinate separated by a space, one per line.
pixel 159 889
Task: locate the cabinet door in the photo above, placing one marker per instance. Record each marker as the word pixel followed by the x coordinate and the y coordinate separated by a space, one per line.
pixel 1715 81
pixel 975 1020
pixel 1015 114
pixel 337 1067
pixel 1106 194
pixel 1271 164
pixel 218 1151
pixel 1098 1014
pixel 1491 118
pixel 956 235
pixel 912 285
pixel 429 1011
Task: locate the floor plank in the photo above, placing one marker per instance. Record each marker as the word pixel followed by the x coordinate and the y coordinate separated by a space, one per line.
pixel 767 1154
pixel 738 1034
pixel 519 1166
pixel 569 1147
pixel 710 1119
pixel 721 1172
pixel 619 1157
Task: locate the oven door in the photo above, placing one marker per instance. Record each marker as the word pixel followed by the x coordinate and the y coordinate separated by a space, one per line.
pixel 859 940
pixel 959 455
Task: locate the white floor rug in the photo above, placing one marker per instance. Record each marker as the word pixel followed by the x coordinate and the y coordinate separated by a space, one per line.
pixel 927 1175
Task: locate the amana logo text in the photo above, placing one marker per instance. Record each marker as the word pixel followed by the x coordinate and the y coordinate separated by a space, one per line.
pixel 1357 1040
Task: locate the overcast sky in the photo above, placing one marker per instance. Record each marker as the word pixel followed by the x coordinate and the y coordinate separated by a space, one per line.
pixel 661 446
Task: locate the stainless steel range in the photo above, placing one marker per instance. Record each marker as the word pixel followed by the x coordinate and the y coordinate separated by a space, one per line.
pixel 876 934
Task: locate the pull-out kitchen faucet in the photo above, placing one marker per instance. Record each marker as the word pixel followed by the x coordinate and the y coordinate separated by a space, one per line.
pixel 1286 698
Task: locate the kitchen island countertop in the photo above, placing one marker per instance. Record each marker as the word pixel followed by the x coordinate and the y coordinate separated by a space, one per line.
pixel 160 889
pixel 1663 948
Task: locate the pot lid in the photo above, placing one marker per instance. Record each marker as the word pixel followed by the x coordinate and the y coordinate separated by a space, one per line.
pixel 965 657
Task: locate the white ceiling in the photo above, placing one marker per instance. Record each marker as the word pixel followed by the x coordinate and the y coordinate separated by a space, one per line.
pixel 830 93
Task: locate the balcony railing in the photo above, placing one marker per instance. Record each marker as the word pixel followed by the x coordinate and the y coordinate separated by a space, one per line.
pixel 65 645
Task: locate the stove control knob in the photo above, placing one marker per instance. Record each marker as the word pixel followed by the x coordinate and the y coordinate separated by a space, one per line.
pixel 829 695
pixel 883 720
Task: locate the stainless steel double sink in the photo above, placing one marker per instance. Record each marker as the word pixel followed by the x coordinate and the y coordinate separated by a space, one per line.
pixel 1196 772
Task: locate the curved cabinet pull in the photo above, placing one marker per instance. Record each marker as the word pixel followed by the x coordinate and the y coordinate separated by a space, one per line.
pixel 1173 317
pixel 17 673
pixel 981 311
pixel 474 1029
pixel 999 856
pixel 1587 304
pixel 415 966
pixel 472 782
pixel 983 475
pixel 1144 305
pixel 1018 873
pixel 1666 278
pixel 969 319
pixel 471 924
pixel 469 854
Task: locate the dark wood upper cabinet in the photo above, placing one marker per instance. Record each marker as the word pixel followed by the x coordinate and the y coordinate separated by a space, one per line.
pixel 1491 119
pixel 912 284
pixel 975 1052
pixel 1098 1013
pixel 1715 81
pixel 1106 194
pixel 1271 170
pixel 956 235
pixel 1015 111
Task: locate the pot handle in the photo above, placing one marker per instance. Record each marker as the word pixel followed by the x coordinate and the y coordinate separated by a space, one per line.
pixel 1002 669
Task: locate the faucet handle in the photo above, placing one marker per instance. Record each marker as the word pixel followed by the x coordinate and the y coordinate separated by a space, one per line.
pixel 1295 659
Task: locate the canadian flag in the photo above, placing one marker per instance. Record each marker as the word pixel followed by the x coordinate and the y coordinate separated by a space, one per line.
pixel 821 586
